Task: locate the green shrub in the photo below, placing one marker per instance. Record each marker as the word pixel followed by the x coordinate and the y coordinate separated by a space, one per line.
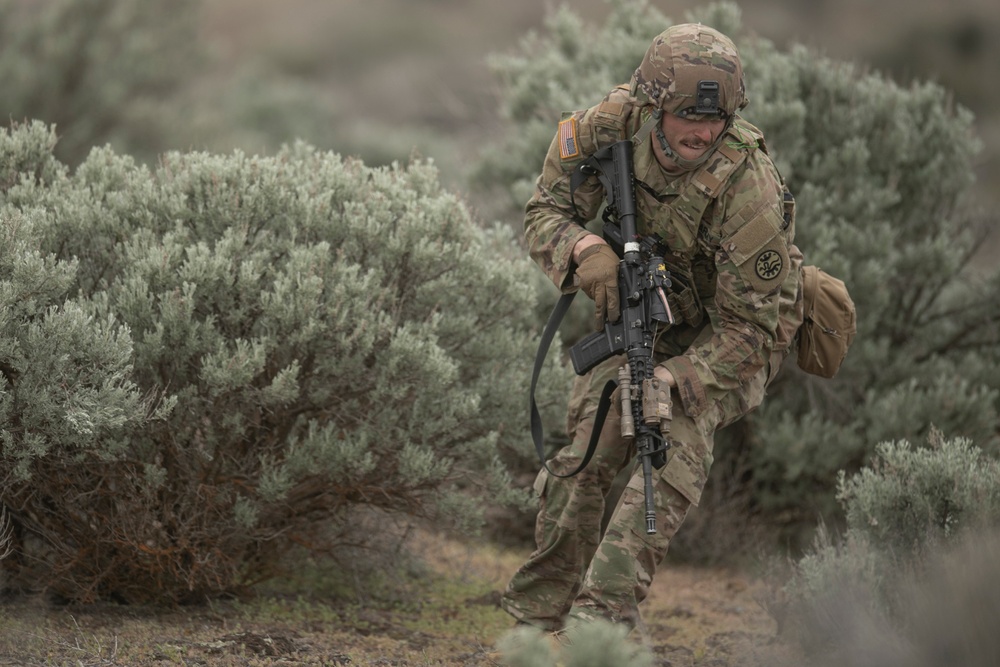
pixel 145 77
pixel 909 499
pixel 593 644
pixel 905 512
pixel 229 353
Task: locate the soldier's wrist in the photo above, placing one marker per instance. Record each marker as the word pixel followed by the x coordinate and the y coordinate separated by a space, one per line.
pixel 665 376
pixel 588 241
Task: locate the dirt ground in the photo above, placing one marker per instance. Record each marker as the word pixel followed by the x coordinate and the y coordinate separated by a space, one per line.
pixel 694 617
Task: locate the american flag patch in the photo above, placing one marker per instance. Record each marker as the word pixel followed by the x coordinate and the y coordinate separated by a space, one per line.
pixel 567 139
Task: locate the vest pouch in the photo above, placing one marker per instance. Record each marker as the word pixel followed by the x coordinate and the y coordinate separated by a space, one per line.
pixel 829 324
pixel 684 302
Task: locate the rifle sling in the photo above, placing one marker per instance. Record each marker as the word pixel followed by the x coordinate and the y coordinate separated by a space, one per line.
pixel 603 405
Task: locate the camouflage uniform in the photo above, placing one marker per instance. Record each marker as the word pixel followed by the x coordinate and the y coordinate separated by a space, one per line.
pixel 729 227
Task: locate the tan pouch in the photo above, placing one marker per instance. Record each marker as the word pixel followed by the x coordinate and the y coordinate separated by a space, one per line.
pixel 829 324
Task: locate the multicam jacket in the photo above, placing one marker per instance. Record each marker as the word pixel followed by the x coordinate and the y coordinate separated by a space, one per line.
pixel 728 227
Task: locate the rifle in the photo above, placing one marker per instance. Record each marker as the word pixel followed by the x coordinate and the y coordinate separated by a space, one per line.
pixel 642 278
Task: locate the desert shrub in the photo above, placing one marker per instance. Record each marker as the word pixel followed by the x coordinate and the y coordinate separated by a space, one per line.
pixel 592 644
pixel 880 172
pixel 905 514
pixel 207 363
pixel 909 499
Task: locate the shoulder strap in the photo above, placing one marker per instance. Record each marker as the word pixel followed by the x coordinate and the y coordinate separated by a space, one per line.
pixel 537 431
pixel 619 114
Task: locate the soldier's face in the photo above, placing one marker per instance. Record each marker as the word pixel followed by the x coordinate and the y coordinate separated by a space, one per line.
pixel 690 138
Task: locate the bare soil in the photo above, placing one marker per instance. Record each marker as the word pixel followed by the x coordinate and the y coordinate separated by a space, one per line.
pixel 447 616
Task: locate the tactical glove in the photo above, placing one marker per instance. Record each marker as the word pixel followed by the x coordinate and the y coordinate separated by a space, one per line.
pixel 598 273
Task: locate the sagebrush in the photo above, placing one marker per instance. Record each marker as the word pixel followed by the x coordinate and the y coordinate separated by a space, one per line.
pixel 211 362
pixel 914 573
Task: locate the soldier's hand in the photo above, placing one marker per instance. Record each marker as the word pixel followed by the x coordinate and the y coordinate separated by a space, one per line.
pixel 597 269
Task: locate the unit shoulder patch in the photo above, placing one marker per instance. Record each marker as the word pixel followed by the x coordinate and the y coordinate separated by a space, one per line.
pixel 760 253
pixel 768 264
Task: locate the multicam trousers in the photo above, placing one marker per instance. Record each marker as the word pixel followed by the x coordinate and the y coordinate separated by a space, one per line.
pixel 578 573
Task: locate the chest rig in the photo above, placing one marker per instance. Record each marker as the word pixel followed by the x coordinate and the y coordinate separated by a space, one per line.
pixel 671 220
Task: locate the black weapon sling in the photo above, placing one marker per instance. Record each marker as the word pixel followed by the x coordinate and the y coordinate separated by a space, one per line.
pixel 603 405
pixel 579 175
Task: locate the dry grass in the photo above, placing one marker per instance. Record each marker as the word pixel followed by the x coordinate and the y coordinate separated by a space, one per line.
pixel 448 615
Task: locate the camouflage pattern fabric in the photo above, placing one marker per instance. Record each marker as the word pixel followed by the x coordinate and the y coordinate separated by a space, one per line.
pixel 738 253
pixel 577 574
pixel 729 227
pixel 680 57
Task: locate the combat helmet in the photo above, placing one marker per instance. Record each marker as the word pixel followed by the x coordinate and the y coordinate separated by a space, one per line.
pixel 691 70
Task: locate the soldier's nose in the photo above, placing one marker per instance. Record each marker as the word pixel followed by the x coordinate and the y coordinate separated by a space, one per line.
pixel 704 134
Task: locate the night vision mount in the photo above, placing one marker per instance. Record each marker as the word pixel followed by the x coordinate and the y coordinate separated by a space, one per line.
pixel 708 98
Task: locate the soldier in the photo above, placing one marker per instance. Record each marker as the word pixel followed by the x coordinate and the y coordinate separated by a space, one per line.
pixel 706 186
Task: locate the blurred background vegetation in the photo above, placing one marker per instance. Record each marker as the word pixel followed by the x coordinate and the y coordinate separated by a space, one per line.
pixel 384 79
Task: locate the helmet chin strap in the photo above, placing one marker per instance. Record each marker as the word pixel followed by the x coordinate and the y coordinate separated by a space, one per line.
pixel 685 164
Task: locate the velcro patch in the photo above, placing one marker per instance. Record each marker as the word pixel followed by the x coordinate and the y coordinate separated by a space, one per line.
pixel 749 239
pixel 761 254
pixel 610 111
pixel 569 147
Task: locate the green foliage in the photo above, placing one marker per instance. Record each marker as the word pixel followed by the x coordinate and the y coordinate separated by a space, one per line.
pixel 526 646
pixel 260 344
pixel 259 108
pixel 910 498
pixel 65 375
pixel 27 154
pixel 904 513
pixel 602 644
pixel 140 76
pixel 880 173
pixel 593 644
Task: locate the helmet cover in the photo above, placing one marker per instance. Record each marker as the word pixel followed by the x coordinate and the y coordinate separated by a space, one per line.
pixel 691 70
